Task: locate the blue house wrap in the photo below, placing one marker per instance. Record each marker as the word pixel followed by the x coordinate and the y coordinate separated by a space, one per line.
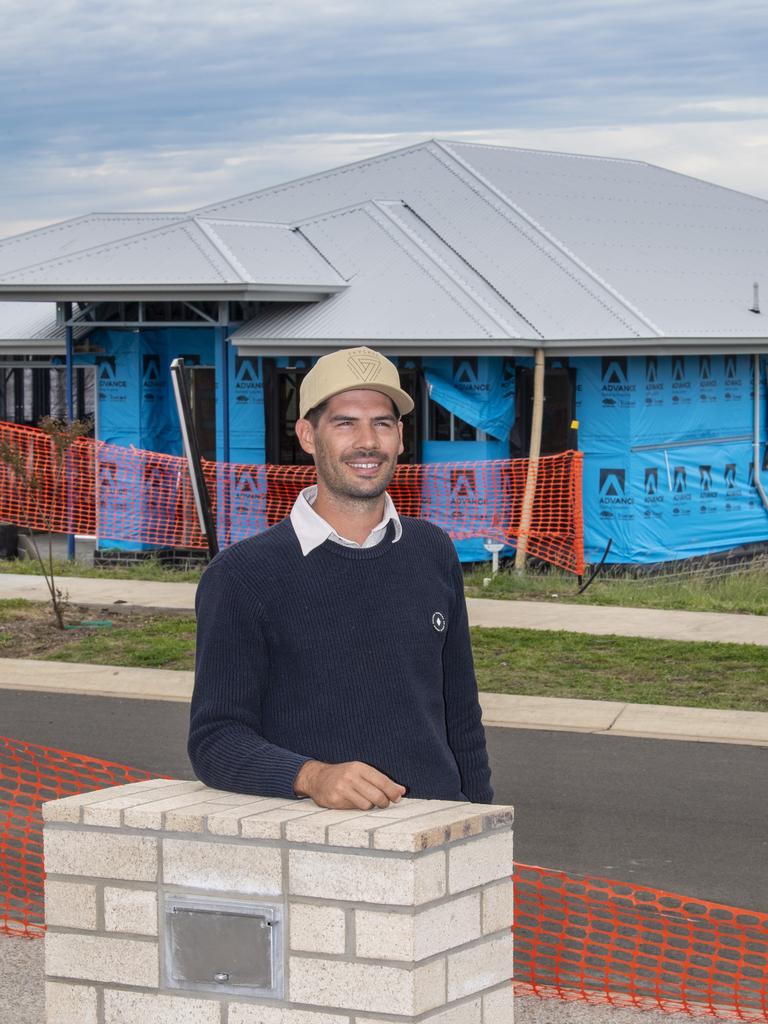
pixel 667 440
pixel 462 262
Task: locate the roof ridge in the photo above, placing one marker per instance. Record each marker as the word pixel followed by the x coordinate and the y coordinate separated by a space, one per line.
pixel 224 251
pixel 390 154
pixel 103 246
pixel 554 241
pixel 465 285
pixel 93 215
pixel 541 152
pixel 418 257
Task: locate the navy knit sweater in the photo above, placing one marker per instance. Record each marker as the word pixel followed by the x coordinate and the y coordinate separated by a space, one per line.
pixel 345 654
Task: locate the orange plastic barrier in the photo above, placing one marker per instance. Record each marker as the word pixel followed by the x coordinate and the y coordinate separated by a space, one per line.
pixel 602 941
pixel 589 939
pixel 30 775
pixel 128 494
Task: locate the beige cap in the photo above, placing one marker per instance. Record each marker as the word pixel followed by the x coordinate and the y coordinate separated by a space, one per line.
pixel 352 369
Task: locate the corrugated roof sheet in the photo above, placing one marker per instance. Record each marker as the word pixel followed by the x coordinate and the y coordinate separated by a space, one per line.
pixel 547 245
pixel 193 251
pixel 581 247
pixel 397 289
pixel 74 235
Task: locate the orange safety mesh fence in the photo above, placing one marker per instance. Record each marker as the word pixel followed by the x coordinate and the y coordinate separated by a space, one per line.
pixel 576 938
pixel 602 941
pixel 127 494
pixel 30 775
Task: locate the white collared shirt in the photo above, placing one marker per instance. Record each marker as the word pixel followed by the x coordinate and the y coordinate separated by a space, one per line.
pixel 312 530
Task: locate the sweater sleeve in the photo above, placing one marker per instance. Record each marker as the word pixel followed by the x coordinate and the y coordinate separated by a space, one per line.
pixel 225 744
pixel 463 715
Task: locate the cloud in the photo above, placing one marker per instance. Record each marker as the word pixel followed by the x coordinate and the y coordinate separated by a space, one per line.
pixel 173 104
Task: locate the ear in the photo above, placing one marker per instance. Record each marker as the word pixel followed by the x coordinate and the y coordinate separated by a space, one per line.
pixel 306 435
pixel 401 449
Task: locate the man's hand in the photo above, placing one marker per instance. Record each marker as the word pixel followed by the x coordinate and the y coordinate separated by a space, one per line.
pixel 346 786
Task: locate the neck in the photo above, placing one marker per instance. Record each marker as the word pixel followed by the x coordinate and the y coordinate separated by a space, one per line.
pixel 351 518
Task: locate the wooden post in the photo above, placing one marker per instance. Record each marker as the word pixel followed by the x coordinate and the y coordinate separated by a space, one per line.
pixel 533 461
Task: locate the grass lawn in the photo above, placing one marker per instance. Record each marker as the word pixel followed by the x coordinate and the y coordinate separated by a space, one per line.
pixel 148 569
pixel 742 591
pixel 524 661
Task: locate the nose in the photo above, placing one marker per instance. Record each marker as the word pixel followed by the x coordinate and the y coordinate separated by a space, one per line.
pixel 367 437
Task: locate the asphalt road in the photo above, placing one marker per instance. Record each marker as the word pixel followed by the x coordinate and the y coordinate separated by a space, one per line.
pixel 691 818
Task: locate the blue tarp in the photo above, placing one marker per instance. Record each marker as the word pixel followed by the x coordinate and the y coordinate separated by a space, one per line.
pixel 476 394
pixel 668 455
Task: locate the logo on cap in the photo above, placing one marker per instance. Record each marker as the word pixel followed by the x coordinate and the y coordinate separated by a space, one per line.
pixel 364 368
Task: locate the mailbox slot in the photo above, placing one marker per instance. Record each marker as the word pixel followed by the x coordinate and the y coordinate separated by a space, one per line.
pixel 224 945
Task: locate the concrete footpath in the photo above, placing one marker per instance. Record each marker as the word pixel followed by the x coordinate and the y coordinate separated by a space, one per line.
pixel 573 618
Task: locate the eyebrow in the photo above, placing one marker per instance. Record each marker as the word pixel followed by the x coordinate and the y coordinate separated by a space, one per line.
pixel 341 416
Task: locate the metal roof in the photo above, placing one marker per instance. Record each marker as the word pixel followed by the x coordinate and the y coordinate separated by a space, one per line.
pixel 74 235
pixel 194 255
pixel 404 283
pixel 582 247
pixel 505 242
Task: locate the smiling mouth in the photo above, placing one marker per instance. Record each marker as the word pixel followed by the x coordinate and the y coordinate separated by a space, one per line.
pixel 365 467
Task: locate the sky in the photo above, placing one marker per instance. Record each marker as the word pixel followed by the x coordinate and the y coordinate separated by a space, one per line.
pixel 172 104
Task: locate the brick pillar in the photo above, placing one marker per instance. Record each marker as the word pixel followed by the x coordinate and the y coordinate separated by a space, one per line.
pixel 393 915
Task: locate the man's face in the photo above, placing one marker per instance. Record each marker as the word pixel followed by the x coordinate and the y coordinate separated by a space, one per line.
pixel 355 444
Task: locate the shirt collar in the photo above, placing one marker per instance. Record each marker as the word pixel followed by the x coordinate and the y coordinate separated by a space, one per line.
pixel 312 530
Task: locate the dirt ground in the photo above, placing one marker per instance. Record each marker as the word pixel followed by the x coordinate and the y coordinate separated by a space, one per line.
pixel 30 631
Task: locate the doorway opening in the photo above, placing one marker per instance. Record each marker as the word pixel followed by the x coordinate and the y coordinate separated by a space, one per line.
pixel 557 434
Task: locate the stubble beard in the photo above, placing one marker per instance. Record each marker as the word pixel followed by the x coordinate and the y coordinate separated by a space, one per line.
pixel 330 471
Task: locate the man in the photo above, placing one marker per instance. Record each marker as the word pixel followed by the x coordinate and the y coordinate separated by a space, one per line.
pixel 333 653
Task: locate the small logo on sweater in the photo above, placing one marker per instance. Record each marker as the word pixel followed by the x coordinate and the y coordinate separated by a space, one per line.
pixel 438 622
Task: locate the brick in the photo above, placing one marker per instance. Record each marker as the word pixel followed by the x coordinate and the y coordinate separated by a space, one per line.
pixel 481 966
pixel 109 811
pixel 411 807
pixel 317 929
pixel 100 855
pixel 130 910
pixel 270 824
pixel 498 906
pixel 222 866
pixel 69 808
pixel 151 813
pixel 340 876
pixel 195 817
pixel 374 988
pixel 227 822
pixel 356 831
pixel 70 905
pixel 70 1004
pixel 247 1013
pixel 466 1013
pixel 479 861
pixel 388 936
pixel 431 823
pixel 311 828
pixel 428 830
pixel 499 1006
pixel 141 1008
pixel 100 958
